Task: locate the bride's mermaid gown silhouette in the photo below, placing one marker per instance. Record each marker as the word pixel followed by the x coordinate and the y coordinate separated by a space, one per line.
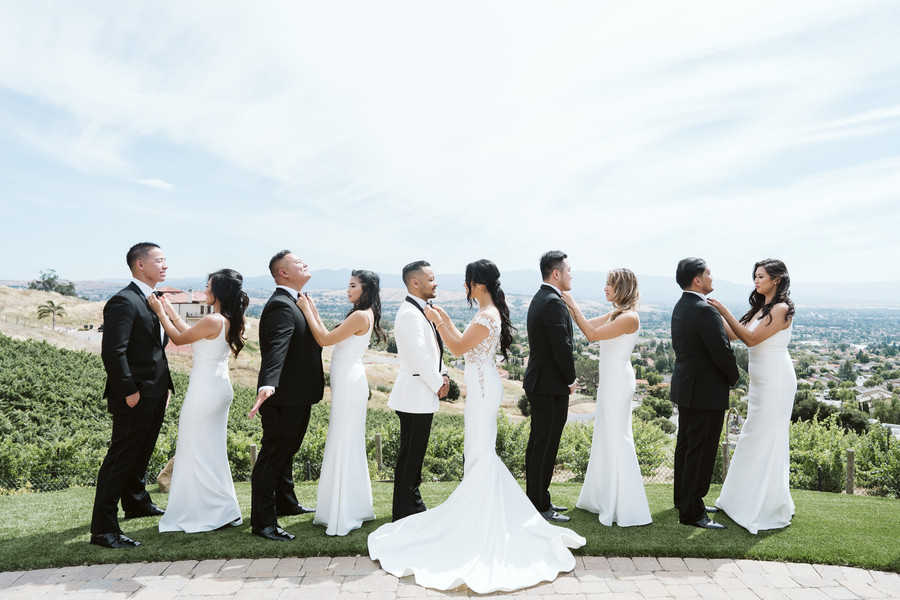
pixel 487 534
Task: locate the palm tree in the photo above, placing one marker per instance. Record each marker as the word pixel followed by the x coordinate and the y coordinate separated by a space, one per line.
pixel 51 309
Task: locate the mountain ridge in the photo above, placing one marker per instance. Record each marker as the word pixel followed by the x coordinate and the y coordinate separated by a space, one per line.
pixel 587 285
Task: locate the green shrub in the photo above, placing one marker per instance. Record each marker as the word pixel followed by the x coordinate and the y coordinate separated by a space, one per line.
pixel 816 444
pixel 575 448
pixel 660 406
pixel 878 462
pixel 666 425
pixel 512 440
pixel 524 405
pixel 650 444
pixel 643 413
pixel 855 420
pixel 807 408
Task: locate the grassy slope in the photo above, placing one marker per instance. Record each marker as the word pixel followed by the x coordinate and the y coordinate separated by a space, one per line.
pixel 51 530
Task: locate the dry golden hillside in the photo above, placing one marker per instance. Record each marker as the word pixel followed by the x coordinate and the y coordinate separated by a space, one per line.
pixel 18 319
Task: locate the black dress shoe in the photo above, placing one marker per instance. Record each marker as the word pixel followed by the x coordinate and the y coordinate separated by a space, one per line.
pixel 148 511
pixel 113 540
pixel 712 509
pixel 558 508
pixel 295 510
pixel 705 523
pixel 274 533
pixel 555 517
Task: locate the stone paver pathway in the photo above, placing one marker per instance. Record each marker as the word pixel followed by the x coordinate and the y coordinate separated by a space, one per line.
pixel 358 578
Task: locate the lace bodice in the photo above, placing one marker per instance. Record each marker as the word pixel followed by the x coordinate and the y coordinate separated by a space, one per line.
pixel 486 350
pixel 481 357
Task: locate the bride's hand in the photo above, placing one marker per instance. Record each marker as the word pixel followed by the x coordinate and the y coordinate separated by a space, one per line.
pixel 433 314
pixel 717 305
pixel 303 302
pixel 155 305
pixel 569 300
pixel 444 316
pixel 312 304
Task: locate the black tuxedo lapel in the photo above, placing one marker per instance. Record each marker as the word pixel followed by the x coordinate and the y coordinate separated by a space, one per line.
pixel 437 336
pixel 161 341
pixel 569 322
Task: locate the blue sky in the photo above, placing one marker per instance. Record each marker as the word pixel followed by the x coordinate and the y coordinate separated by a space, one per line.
pixel 366 135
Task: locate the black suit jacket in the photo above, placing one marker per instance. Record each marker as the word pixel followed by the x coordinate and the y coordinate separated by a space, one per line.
pixel 291 358
pixel 551 366
pixel 705 368
pixel 132 351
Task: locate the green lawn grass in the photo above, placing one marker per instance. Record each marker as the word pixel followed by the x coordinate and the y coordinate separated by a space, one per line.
pixel 52 530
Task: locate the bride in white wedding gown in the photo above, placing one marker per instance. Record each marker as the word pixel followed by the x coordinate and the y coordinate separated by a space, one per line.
pixel 487 534
pixel 613 487
pixel 755 494
pixel 201 496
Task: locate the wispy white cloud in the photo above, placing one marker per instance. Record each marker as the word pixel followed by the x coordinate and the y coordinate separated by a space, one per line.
pixel 156 183
pixel 626 133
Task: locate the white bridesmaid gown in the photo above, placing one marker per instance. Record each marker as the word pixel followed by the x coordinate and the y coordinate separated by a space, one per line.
pixel 201 495
pixel 344 496
pixel 756 493
pixel 613 487
pixel 487 534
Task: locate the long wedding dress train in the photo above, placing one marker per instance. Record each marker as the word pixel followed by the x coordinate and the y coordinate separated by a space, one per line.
pixel 487 534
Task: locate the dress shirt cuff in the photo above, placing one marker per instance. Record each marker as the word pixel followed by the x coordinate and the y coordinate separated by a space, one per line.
pixel 271 388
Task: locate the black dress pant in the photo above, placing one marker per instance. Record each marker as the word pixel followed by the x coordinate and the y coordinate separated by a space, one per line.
pixel 415 429
pixel 272 480
pixel 695 458
pixel 548 418
pixel 123 474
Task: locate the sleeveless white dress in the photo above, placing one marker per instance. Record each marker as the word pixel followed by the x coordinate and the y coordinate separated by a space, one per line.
pixel 756 493
pixel 487 534
pixel 344 497
pixel 201 496
pixel 613 487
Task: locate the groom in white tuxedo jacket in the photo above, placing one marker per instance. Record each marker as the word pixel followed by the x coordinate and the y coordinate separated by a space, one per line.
pixel 420 383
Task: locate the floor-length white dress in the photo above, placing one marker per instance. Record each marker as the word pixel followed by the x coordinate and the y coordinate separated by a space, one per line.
pixel 344 497
pixel 613 487
pixel 201 495
pixel 756 493
pixel 487 534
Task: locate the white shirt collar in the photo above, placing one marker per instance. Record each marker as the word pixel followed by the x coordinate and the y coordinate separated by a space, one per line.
pixel 295 293
pixel 146 289
pixel 418 301
pixel 697 293
pixel 556 289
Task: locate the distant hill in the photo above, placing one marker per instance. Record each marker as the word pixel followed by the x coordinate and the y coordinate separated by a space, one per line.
pixel 586 285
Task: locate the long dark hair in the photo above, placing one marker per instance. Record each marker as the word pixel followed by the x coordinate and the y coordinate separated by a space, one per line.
pixel 775 269
pixel 487 274
pixel 225 285
pixel 370 298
